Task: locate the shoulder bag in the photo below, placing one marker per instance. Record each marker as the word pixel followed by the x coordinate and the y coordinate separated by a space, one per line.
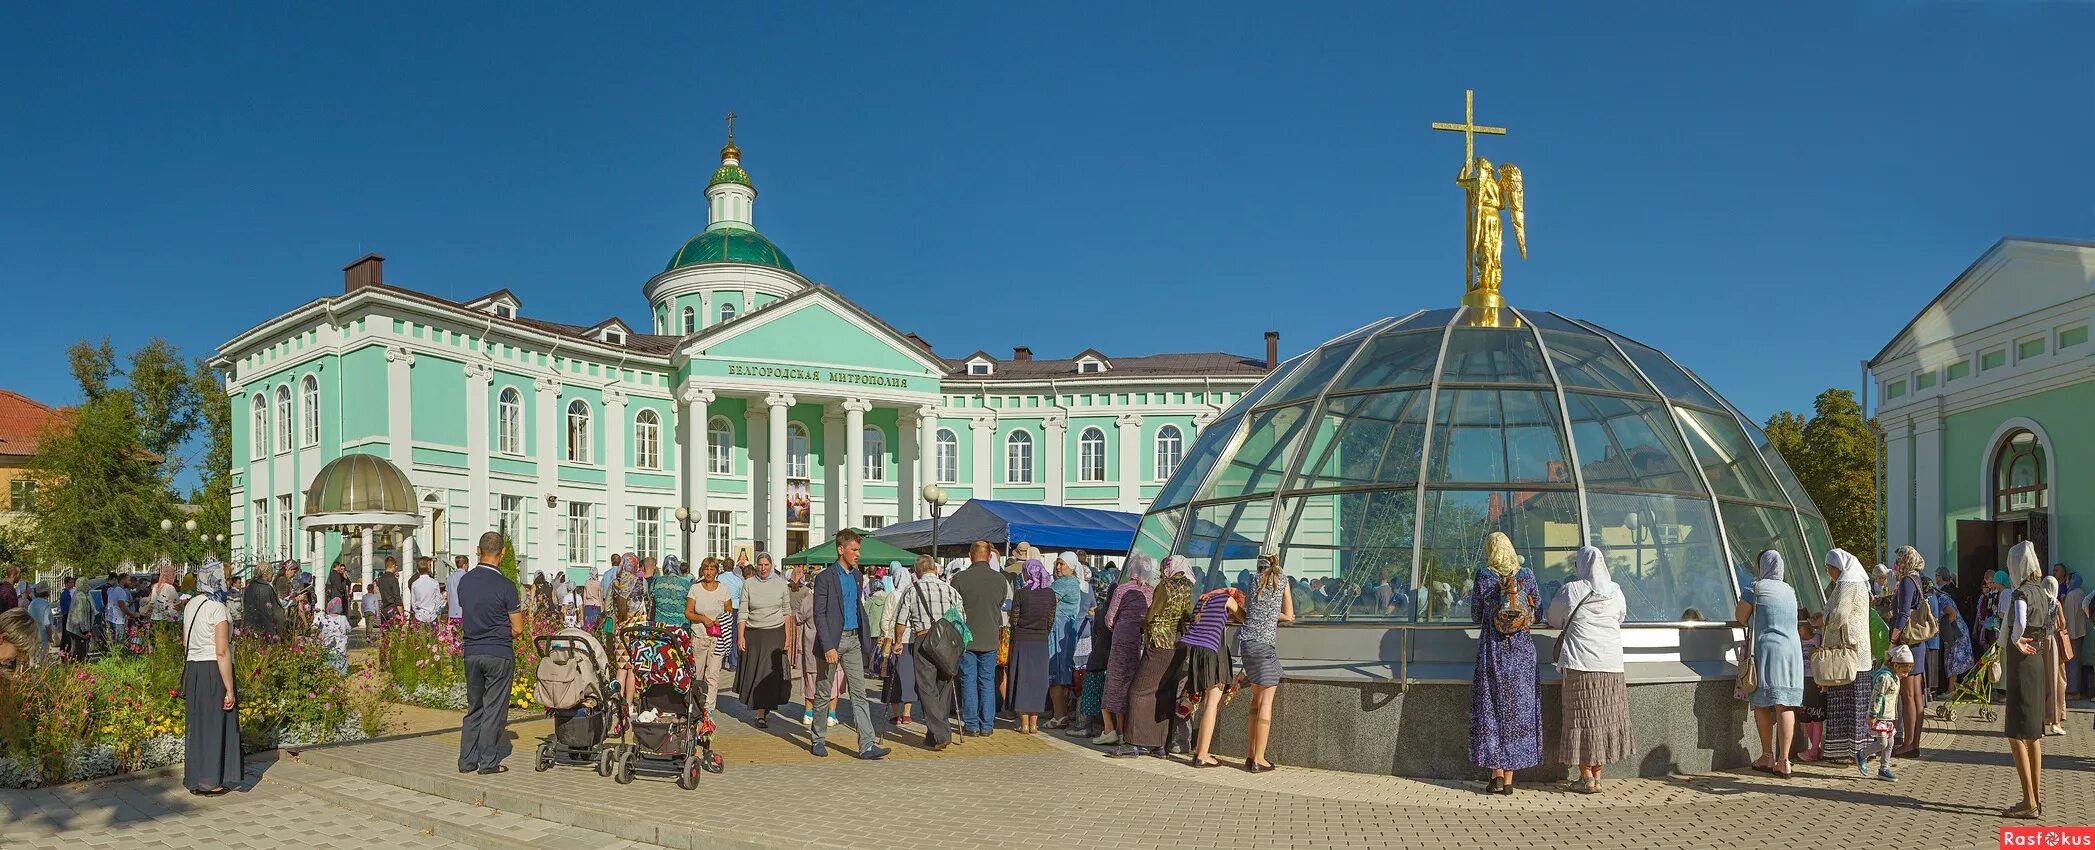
pixel 1920 624
pixel 1833 664
pixel 940 644
pixel 1556 655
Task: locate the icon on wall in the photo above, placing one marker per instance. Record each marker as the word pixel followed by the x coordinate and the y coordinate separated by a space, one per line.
pixel 798 508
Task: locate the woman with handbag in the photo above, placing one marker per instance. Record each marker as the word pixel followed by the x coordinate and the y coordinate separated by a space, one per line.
pixel 1505 713
pixel 1595 713
pixel 2029 625
pixel 1770 614
pixel 1911 627
pixel 707 604
pixel 1842 663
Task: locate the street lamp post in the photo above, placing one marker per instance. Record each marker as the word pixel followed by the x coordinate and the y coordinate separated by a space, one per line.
pixel 688 523
pixel 189 527
pixel 936 496
pixel 167 527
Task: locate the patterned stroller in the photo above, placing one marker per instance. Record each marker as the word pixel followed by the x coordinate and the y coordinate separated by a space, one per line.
pixel 672 734
pixel 1975 689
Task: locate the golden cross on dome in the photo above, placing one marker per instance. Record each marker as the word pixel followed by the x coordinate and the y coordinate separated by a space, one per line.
pixel 1469 127
pixel 731 128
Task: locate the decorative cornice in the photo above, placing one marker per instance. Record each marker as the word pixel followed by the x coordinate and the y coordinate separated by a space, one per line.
pixel 1128 420
pixel 927 411
pixel 982 421
pixel 1055 420
pixel 857 405
pixel 698 395
pixel 614 395
pixel 781 400
pixel 1203 419
pixel 479 370
pixel 399 354
pixel 545 385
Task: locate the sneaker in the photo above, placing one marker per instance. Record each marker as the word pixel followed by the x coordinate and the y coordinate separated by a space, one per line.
pixel 1862 766
pixel 819 750
pixel 832 718
pixel 873 753
pixel 1107 739
pixel 1886 775
pixel 1056 723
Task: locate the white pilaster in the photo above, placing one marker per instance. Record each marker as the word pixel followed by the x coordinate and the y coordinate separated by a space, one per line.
pixel 400 421
pixel 763 501
pixel 855 461
pixel 1929 535
pixel 479 504
pixel 371 565
pixel 617 430
pixel 697 465
pixel 1130 461
pixel 775 473
pixel 982 428
pixel 833 483
pixel 927 442
pixel 1054 432
pixel 1899 524
pixel 552 427
pixel 909 470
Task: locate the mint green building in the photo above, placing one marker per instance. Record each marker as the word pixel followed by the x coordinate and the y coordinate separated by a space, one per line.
pixel 1984 398
pixel 770 409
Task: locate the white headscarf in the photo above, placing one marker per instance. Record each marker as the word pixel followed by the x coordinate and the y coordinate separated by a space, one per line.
pixel 211 579
pixel 2051 587
pixel 1593 570
pixel 1141 569
pixel 1851 570
pixel 1177 565
pixel 954 566
pixel 901 579
pixel 2023 565
pixel 1771 568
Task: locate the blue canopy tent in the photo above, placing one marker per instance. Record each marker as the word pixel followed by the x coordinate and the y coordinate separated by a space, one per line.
pixel 1047 527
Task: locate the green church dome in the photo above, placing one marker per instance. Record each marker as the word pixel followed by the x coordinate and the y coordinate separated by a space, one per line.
pixel 730 174
pixel 730 245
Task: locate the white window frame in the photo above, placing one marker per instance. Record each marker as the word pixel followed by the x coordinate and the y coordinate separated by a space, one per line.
pixel 720 446
pixel 873 462
pixel 284 521
pixel 1018 457
pixel 798 447
pixel 578 443
pixel 980 367
pixel 309 397
pixel 259 511
pixel 720 533
pixel 505 311
pixel 614 336
pixel 1088 366
pixel 509 421
pixel 870 522
pixel 1091 456
pixel 509 519
pixel 1173 450
pixel 258 426
pixel 690 324
pixel 647 439
pixel 581 534
pixel 647 532
pixel 728 311
pixel 284 421
pixel 945 457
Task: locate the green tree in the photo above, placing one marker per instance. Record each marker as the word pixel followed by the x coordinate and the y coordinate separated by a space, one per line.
pixel 1834 454
pixel 214 493
pixel 164 394
pixel 100 493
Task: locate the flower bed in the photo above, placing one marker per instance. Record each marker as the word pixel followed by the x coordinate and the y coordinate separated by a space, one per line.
pixel 79 721
pixel 426 665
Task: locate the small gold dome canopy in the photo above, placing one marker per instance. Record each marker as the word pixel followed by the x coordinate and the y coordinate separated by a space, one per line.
pixel 730 152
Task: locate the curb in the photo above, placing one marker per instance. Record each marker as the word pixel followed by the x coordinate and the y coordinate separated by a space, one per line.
pixel 572 838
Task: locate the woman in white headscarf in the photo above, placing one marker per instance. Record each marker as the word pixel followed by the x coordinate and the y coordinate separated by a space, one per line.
pixel 1595 710
pixel 1847 625
pixel 1769 611
pixel 2055 665
pixel 2030 626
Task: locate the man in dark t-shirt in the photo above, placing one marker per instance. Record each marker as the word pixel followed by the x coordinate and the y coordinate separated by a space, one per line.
pixel 493 617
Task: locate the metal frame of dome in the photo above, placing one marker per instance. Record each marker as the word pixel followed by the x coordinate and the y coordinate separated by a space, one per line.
pixel 730 245
pixel 1704 432
pixel 357 491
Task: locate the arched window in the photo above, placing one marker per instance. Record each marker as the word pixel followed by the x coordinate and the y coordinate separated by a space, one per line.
pixel 578 431
pixel 258 434
pixel 647 440
pixel 1171 448
pixel 796 450
pixel 946 457
pixel 690 320
pixel 727 311
pixel 2018 475
pixel 720 446
pixel 283 417
pixel 1018 458
pixel 873 464
pixel 1091 455
pixel 309 393
pixel 509 421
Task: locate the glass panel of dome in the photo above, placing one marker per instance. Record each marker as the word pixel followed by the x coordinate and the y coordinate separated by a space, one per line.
pixel 1156 534
pixel 1260 459
pixel 1376 326
pixel 1273 379
pixel 1588 361
pixel 1665 552
pixel 1629 443
pixel 1434 319
pixel 1350 539
pixel 1821 542
pixel 1225 540
pixel 1393 360
pixel 1544 528
pixel 1493 355
pixel 1309 379
pixel 1754 529
pixel 1547 322
pixel 1367 439
pixel 1766 448
pixel 1208 445
pixel 1671 382
pixel 1728 458
pixel 1490 436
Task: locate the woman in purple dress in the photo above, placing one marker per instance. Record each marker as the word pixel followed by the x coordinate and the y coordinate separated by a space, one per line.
pixel 1505 717
pixel 1125 613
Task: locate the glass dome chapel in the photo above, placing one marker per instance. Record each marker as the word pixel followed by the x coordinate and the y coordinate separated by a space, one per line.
pixel 1377 463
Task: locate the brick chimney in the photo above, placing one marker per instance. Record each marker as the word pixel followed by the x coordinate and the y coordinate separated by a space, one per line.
pixel 368 270
pixel 1020 352
pixel 1272 349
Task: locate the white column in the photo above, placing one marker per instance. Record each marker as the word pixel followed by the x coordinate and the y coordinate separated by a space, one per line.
pixel 983 430
pixel 1130 460
pixel 479 504
pixel 927 442
pixel 371 565
pixel 1054 432
pixel 617 430
pixel 697 464
pixel 833 484
pixel 762 499
pixel 775 473
pixel 909 474
pixel 552 425
pixel 855 461
pixel 1928 532
pixel 400 421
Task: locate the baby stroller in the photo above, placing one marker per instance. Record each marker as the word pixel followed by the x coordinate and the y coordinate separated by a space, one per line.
pixel 1976 688
pixel 672 735
pixel 576 687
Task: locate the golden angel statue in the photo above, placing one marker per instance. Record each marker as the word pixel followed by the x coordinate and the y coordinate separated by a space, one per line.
pixel 1489 191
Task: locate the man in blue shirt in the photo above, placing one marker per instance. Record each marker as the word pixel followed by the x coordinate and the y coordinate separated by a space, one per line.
pixel 492 618
pixel 844 637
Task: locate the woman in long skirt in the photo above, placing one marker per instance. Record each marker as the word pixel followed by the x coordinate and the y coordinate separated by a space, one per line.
pixel 2055 666
pixel 1062 639
pixel 1847 624
pixel 1505 713
pixel 2029 625
pixel 1152 698
pixel 765 616
pixel 1127 612
pixel 211 728
pixel 899 687
pixel 1595 711
pixel 1032 618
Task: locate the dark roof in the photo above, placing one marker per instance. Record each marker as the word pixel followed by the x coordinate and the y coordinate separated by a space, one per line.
pixel 649 344
pixel 1199 364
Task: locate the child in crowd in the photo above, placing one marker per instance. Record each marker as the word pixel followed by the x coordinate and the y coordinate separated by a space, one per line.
pixel 1884 711
pixel 1813 715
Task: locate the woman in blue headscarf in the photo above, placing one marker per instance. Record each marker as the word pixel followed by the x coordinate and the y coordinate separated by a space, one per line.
pixel 1062 637
pixel 1032 619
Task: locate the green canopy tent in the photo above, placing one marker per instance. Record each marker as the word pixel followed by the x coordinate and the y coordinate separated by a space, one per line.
pixel 870 552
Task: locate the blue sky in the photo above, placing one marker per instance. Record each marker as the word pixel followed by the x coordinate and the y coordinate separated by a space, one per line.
pixel 1766 191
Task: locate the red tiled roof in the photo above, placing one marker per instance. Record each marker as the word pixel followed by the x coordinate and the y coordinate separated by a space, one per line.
pixel 22 421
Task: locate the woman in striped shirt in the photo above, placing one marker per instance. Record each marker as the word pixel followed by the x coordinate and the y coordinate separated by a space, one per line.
pixel 1205 664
